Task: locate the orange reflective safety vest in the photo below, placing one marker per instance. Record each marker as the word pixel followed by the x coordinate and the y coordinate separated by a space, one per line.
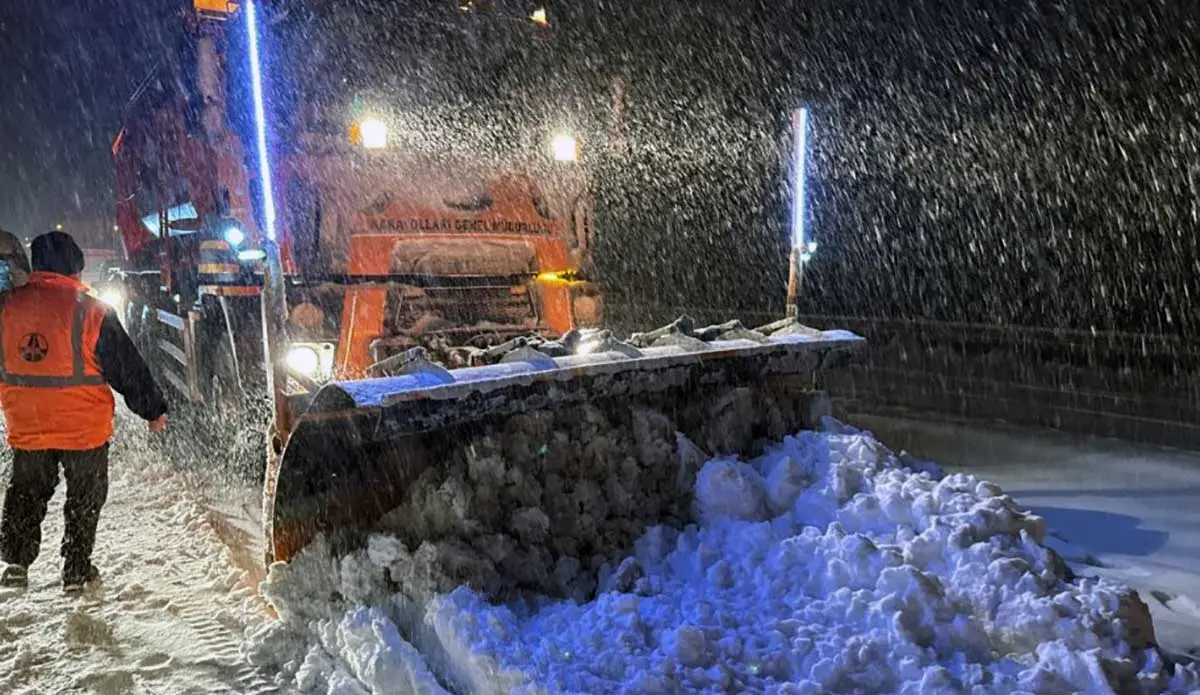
pixel 51 388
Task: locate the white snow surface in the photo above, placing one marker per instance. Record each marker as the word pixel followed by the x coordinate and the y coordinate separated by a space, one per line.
pixel 1113 509
pixel 824 566
pixel 169 614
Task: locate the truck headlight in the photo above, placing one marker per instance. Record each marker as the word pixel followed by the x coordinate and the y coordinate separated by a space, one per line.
pixel 234 235
pixel 305 360
pixel 313 360
pixel 373 133
pixel 112 297
pixel 565 148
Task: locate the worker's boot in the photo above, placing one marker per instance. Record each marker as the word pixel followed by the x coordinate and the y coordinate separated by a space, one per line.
pixel 74 583
pixel 15 576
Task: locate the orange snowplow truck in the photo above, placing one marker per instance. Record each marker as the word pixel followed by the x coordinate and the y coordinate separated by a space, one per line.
pixel 401 282
pixel 383 247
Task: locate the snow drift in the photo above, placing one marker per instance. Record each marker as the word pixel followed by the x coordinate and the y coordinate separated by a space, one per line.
pixel 826 565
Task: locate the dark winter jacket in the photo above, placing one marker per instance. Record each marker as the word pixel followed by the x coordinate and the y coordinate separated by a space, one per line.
pixel 125 370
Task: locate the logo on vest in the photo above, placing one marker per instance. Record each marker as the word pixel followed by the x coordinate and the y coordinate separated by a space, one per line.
pixel 34 347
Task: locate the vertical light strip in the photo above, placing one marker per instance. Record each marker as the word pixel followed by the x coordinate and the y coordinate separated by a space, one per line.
pixel 800 166
pixel 260 121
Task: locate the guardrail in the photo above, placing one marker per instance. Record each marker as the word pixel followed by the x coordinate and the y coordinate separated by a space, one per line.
pixel 1132 386
pixel 1143 388
pixel 178 345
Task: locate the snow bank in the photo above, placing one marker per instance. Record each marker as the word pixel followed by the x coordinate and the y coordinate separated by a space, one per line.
pixel 823 566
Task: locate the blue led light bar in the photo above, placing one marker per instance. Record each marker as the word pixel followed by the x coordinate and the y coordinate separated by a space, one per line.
pixel 800 166
pixel 260 121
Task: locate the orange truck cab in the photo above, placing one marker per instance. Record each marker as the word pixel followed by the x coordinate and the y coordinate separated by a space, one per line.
pixel 437 254
pixel 385 247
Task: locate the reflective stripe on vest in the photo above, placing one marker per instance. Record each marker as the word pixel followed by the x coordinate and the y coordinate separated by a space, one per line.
pixel 77 378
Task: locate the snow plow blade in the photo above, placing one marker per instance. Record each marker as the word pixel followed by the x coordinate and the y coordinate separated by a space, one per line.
pixel 359 447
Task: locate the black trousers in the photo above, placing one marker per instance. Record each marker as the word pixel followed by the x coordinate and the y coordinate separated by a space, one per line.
pixel 34 477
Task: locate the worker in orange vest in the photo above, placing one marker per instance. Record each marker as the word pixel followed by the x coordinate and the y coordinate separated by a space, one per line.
pixel 60 352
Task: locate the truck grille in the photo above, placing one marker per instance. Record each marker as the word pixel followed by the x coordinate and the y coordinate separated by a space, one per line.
pixel 461 311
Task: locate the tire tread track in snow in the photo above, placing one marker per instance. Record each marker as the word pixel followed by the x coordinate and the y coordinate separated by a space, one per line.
pixel 214 641
pixel 236 542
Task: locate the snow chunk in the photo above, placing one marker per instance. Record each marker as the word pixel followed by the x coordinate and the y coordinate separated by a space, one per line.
pixel 377 657
pixel 729 489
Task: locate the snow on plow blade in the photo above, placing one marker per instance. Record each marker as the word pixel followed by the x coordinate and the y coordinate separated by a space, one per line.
pixel 361 445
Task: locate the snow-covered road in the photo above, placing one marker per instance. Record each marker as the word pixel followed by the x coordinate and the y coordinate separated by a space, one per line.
pixel 1117 510
pixel 169 615
pixel 172 614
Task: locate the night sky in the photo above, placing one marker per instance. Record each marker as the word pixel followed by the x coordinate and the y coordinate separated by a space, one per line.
pixel 67 68
pixel 1035 163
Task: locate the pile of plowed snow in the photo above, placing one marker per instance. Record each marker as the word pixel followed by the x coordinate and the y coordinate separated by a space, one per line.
pixel 824 566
